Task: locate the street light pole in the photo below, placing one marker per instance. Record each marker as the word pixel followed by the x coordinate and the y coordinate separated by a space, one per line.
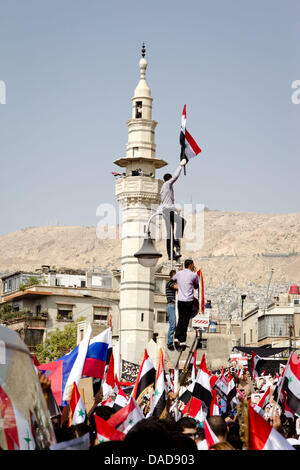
pixel 243 296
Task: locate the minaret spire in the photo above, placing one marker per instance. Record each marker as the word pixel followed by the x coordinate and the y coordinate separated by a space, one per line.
pixel 143 50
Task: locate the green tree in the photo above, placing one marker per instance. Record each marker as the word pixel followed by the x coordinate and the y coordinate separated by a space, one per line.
pixel 58 343
pixel 31 281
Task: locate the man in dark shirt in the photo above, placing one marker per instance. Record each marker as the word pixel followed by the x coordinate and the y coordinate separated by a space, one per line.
pixel 171 288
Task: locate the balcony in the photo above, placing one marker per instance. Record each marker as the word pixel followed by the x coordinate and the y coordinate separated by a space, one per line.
pixel 9 317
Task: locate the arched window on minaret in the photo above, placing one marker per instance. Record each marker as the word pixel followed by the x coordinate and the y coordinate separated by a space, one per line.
pixel 138 109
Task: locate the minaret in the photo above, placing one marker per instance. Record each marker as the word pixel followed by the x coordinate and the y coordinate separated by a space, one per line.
pixel 138 197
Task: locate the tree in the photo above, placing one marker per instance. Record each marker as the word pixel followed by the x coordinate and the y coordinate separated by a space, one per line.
pixel 58 343
pixel 31 281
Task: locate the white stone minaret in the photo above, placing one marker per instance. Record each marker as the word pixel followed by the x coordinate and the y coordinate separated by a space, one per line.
pixel 138 197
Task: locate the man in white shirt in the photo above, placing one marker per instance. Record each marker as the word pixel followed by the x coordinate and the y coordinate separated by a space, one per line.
pixel 187 280
pixel 170 212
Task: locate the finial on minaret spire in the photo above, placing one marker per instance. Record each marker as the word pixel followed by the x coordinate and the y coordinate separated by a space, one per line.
pixel 143 50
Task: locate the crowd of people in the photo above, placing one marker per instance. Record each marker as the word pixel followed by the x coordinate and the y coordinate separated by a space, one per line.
pixel 181 432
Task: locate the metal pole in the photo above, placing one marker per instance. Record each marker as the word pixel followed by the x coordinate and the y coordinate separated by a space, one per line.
pixel 171 243
pixel 176 383
pixel 241 326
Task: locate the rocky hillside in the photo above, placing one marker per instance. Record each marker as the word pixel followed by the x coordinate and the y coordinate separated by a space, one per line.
pixel 238 249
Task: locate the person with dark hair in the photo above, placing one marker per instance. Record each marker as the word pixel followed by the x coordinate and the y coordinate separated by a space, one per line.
pixel 171 288
pixel 233 435
pixel 187 426
pixel 170 212
pixel 148 435
pixel 187 280
pixel 218 426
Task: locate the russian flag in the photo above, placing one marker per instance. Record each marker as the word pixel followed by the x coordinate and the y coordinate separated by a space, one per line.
pixel 88 358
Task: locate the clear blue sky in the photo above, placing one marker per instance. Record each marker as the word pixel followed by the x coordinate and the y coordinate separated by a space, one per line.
pixel 71 66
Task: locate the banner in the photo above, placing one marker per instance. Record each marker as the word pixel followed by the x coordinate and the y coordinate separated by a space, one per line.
pixel 129 371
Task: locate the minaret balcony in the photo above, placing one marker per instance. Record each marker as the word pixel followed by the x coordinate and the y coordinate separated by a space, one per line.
pixel 138 188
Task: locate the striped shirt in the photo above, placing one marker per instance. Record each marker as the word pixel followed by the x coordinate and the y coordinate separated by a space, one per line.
pixel 170 292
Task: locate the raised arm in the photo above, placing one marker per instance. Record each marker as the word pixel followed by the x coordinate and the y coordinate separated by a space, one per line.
pixel 177 173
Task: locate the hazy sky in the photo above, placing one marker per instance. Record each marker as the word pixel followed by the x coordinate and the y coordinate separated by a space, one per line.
pixel 71 67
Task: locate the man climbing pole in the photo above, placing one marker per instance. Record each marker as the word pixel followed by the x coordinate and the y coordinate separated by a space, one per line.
pixel 170 212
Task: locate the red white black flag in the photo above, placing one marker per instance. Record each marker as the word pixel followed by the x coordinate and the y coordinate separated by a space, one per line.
pixel 189 147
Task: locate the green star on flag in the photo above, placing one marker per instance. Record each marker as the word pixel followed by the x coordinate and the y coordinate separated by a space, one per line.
pixel 80 413
pixel 156 393
pixel 131 421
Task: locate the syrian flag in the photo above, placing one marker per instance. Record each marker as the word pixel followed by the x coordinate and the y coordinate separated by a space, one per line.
pixel 202 388
pixel 256 363
pixel 213 380
pixel 210 436
pixel 186 396
pixel 121 400
pixel 214 407
pixel 194 409
pixel 264 399
pixel 189 148
pixel 106 432
pixel 158 408
pixel 291 383
pixel 262 436
pixel 17 429
pixel 231 392
pixel 221 386
pixel 145 379
pixel 77 411
pixel 124 419
pixel 109 402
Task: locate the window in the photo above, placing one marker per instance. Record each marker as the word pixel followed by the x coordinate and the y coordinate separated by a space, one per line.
pixel 101 314
pixel 274 325
pixel 138 109
pixel 82 284
pixel 135 151
pixel 64 312
pixel 161 316
pixel 250 336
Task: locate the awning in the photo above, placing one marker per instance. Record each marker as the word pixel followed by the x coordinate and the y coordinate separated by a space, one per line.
pixel 262 352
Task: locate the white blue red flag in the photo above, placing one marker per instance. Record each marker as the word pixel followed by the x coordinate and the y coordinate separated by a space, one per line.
pixel 88 358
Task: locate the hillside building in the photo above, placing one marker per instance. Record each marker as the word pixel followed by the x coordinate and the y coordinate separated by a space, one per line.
pixel 277 325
